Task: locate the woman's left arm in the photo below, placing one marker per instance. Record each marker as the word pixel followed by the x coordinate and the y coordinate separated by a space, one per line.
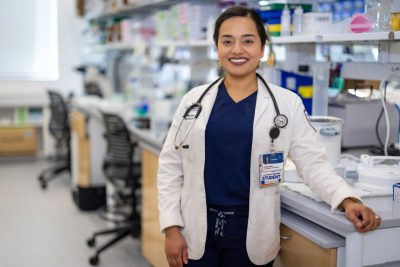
pixel 363 218
pixel 308 154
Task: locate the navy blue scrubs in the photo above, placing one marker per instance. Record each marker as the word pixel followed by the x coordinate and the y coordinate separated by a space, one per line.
pixel 228 143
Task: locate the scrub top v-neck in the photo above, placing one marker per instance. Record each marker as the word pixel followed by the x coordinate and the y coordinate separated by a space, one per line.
pixel 228 142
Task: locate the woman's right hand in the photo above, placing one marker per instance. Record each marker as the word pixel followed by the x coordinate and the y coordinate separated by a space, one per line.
pixel 175 247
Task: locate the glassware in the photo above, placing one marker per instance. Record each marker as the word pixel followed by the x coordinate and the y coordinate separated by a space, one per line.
pixel 378 12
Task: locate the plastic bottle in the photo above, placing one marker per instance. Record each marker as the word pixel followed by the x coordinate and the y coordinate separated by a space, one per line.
pixel 320 89
pixel 285 22
pixel 298 20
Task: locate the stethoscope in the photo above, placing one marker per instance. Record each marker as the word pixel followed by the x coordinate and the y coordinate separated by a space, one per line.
pixel 194 110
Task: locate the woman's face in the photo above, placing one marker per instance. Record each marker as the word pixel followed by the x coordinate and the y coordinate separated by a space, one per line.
pixel 239 46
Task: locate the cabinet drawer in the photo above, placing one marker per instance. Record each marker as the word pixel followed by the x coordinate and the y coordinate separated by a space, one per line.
pixel 298 251
pixel 18 141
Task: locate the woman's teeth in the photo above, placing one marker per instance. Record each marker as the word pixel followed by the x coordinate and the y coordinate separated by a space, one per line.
pixel 238 60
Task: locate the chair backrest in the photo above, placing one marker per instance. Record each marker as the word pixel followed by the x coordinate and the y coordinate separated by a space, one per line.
pixel 118 161
pixel 59 120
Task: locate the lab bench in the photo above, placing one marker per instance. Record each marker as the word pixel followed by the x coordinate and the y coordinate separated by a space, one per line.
pixel 311 234
pixel 318 237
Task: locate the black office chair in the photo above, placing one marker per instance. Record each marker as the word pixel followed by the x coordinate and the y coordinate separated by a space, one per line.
pixel 123 173
pixel 59 129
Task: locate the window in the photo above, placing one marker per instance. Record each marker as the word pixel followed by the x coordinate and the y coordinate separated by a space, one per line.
pixel 28 40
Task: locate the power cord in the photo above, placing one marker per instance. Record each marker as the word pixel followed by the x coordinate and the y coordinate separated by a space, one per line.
pixel 391 151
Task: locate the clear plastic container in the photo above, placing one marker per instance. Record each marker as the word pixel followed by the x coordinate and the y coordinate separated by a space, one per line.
pixel 320 89
pixel 378 12
pixel 298 21
pixel 285 22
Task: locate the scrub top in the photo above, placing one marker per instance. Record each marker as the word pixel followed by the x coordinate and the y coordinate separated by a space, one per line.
pixel 228 142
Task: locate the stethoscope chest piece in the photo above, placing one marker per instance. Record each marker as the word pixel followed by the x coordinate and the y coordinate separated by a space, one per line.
pixel 280 121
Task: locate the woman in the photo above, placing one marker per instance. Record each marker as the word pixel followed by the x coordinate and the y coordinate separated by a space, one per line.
pixel 219 173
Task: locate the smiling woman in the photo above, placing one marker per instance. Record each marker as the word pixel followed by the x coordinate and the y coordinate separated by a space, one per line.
pixel 218 195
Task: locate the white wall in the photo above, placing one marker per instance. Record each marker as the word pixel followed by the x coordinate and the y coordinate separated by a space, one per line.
pixel 70 53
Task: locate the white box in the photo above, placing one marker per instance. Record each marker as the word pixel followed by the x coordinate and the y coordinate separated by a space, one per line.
pixel 396 192
pixel 314 22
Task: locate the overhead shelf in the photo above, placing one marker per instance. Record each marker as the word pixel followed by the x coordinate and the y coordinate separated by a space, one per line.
pixel 111 46
pixel 189 43
pixel 294 39
pixel 338 38
pixel 325 38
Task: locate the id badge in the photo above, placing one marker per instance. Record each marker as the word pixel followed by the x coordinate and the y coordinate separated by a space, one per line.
pixel 270 169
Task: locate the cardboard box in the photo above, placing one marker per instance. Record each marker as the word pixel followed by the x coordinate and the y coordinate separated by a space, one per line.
pixel 314 22
pixel 18 140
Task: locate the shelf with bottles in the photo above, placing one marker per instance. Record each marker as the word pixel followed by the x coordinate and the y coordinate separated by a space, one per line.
pixel 130 9
pixel 21 115
pixel 338 38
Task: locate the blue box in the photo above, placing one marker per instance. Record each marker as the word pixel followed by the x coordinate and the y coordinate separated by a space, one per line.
pixel 296 83
pixel 396 192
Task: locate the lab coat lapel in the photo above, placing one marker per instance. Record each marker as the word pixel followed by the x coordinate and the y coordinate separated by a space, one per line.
pixel 261 103
pixel 208 103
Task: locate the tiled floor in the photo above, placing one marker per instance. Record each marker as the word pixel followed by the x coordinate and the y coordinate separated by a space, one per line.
pixel 44 228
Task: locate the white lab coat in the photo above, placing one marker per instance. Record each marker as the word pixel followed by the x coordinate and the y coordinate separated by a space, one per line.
pixel 181 192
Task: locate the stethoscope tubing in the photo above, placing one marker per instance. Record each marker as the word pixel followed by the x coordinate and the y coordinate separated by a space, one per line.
pixel 199 107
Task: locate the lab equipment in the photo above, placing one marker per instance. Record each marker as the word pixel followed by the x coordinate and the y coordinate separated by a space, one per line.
pixel 378 12
pixel 357 114
pixel 376 177
pixel 285 22
pixel 330 132
pixel 193 112
pixel 321 86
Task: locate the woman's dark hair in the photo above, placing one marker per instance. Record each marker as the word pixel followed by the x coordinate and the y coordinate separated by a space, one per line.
pixel 240 11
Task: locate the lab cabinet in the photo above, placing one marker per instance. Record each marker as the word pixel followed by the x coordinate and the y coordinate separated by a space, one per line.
pixel 80 150
pixel 87 152
pixel 152 239
pixel 18 140
pixel 24 126
pixel 296 250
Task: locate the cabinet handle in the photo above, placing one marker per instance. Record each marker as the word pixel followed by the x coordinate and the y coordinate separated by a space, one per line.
pixel 285 237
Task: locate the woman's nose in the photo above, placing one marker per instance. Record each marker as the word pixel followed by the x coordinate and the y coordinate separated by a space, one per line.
pixel 237 48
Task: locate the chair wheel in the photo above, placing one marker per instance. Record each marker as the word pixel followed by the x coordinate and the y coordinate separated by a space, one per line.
pixel 43 184
pixel 91 242
pixel 41 178
pixel 94 260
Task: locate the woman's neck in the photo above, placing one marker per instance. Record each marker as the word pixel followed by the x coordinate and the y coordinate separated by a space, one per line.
pixel 240 87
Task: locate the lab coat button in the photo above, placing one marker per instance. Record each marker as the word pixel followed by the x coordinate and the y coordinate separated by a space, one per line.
pixel 253 220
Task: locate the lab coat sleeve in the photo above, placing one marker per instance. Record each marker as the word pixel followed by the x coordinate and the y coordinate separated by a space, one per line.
pixel 308 154
pixel 170 176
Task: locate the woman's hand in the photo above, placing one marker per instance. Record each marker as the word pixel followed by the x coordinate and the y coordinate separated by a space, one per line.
pixel 363 218
pixel 175 247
